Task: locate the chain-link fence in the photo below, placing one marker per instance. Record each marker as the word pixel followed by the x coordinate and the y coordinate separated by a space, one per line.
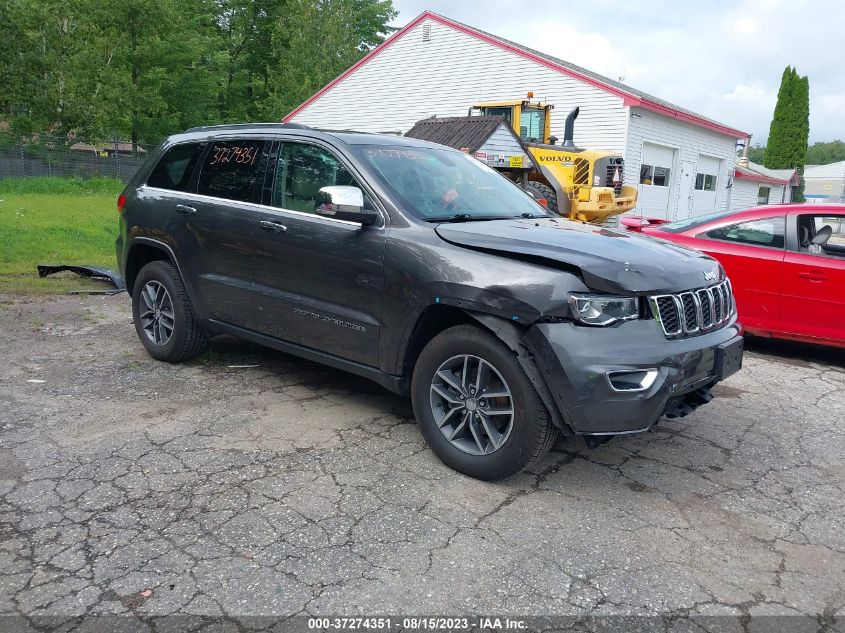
pixel 41 155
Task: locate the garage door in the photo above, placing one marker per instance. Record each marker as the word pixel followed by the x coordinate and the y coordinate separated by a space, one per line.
pixel 656 180
pixel 706 185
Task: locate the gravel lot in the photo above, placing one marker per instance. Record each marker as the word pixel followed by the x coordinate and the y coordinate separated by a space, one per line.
pixel 132 486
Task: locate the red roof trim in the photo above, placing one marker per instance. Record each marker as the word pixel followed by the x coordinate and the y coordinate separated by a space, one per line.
pixel 744 175
pixel 628 98
pixel 686 118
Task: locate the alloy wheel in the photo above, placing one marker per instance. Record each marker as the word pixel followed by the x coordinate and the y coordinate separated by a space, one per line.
pixel 472 404
pixel 156 313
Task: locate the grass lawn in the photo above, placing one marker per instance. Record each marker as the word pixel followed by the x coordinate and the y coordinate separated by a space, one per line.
pixel 55 221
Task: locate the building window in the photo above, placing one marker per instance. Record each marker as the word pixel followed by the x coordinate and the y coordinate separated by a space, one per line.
pixel 705 182
pixel 505 112
pixel 532 124
pixel 652 175
pixel 763 195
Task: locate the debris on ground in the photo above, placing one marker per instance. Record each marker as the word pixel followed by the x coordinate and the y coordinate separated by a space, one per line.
pixel 93 272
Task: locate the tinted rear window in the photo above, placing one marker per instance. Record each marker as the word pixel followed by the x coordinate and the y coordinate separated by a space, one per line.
pixel 174 169
pixel 230 169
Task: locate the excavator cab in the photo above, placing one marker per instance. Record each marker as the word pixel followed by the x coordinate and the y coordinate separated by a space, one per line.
pixel 531 120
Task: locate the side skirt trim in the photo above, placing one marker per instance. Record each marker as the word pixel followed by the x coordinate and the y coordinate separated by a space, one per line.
pixel 395 384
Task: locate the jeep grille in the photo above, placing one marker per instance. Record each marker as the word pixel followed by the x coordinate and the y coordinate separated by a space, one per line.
pixel 694 311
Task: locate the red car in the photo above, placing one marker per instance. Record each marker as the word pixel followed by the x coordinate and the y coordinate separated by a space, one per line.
pixel 786 264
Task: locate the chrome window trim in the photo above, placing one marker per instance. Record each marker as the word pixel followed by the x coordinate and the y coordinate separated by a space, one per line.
pixel 265 207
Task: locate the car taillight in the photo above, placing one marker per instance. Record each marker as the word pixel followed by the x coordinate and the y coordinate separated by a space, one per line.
pixel 121 201
pixel 543 202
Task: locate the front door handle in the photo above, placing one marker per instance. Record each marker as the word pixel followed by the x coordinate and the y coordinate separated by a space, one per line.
pixel 276 227
pixel 184 208
pixel 817 277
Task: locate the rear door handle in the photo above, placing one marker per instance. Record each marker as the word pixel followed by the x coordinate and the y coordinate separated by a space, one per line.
pixel 276 227
pixel 184 208
pixel 817 277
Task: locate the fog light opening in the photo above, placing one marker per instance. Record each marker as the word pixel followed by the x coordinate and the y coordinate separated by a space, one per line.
pixel 628 381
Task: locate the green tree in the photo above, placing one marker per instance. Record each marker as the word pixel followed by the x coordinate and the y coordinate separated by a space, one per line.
pixel 757 154
pixel 246 29
pixel 321 39
pixel 143 69
pixel 790 128
pixel 153 66
pixel 41 47
pixel 822 153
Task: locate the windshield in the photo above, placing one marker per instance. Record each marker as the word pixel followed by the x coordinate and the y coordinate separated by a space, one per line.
pixel 441 184
pixel 691 223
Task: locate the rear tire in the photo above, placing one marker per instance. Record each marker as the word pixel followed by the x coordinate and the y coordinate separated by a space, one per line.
pixel 539 190
pixel 163 315
pixel 467 431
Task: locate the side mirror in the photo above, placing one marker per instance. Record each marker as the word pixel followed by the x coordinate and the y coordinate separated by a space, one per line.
pixel 345 203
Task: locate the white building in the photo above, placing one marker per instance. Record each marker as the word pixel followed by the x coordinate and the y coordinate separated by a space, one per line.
pixel 754 185
pixel 825 183
pixel 682 161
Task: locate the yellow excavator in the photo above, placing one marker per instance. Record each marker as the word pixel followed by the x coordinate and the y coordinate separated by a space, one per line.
pixel 582 184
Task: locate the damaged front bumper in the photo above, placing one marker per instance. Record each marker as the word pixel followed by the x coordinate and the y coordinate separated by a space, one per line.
pixel 616 380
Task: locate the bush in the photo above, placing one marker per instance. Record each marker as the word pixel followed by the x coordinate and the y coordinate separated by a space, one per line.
pixel 98 186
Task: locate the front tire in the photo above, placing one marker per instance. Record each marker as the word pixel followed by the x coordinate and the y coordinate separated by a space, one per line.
pixel 163 315
pixel 476 408
pixel 539 190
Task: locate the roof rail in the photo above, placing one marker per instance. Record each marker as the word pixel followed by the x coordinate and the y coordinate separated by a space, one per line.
pixel 235 126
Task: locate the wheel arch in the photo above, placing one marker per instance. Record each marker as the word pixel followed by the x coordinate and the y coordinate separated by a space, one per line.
pixel 564 204
pixel 142 251
pixel 433 320
pixel 437 318
pixel 511 334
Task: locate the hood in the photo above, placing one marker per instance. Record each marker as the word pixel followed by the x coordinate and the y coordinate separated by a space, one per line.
pixel 609 260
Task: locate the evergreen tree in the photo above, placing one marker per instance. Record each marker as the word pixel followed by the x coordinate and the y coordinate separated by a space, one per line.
pixel 790 128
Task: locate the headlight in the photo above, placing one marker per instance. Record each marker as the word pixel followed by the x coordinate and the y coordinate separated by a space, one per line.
pixel 603 309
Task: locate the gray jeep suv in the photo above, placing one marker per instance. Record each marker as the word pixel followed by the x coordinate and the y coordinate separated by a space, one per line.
pixel 419 267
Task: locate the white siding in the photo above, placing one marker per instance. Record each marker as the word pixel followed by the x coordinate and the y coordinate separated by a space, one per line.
pixel 689 141
pixel 744 193
pixel 413 79
pixel 502 143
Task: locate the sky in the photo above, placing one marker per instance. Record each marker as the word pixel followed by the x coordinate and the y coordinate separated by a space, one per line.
pixel 721 59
